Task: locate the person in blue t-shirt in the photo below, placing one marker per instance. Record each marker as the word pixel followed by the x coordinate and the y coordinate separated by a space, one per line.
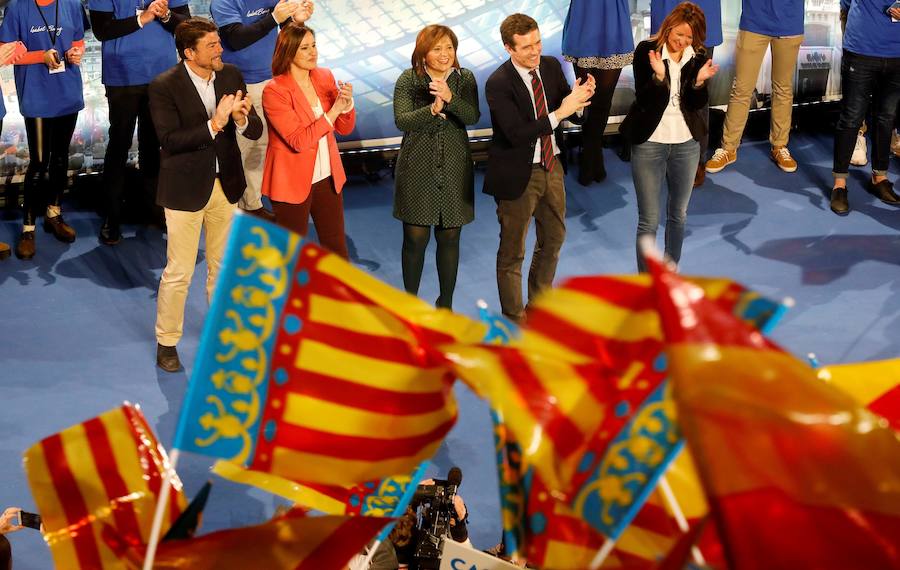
pixel 248 29
pixel 48 85
pixel 764 23
pixel 137 45
pixel 6 52
pixel 870 75
pixel 712 10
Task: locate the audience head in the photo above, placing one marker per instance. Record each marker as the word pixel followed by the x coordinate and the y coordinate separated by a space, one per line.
pixel 435 49
pixel 684 26
pixel 522 40
pixel 402 533
pixel 296 46
pixel 197 41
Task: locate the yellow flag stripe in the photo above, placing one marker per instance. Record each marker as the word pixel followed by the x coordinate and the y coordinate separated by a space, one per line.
pixel 363 319
pixel 410 307
pixel 322 469
pixel 643 543
pixel 81 463
pixel 865 381
pixel 317 357
pixel 329 417
pixel 39 479
pixel 567 556
pixel 300 494
pixel 598 317
pixel 571 393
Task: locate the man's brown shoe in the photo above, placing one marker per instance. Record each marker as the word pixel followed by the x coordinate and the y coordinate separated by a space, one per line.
pixel 4 250
pixel 59 228
pixel 720 159
pixel 262 214
pixel 167 358
pixel 782 157
pixel 839 203
pixel 25 247
pixel 700 176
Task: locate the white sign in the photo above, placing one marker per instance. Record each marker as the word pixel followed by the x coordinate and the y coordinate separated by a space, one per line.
pixel 458 557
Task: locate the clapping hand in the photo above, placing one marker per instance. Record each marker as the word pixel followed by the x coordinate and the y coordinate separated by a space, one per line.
pixel 656 62
pixel 895 13
pixel 223 110
pixel 240 108
pixel 345 96
pixel 304 11
pixel 707 71
pixel 74 55
pixel 440 90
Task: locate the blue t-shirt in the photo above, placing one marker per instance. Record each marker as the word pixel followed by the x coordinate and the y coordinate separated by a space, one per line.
pixel 776 18
pixel 140 56
pixel 255 60
pixel 870 30
pixel 40 93
pixel 712 9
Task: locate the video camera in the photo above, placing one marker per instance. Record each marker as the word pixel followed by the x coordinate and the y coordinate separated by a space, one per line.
pixel 434 509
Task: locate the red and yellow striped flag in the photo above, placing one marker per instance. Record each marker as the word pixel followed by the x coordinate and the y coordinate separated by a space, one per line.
pixel 875 385
pixel 107 470
pixel 289 542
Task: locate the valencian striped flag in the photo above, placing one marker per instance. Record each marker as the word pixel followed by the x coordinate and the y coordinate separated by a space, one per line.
pixel 290 542
pixel 105 471
pixel 875 385
pixel 314 371
pixel 797 473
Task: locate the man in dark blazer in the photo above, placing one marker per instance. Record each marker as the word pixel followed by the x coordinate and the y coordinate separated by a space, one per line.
pixel 199 108
pixel 528 97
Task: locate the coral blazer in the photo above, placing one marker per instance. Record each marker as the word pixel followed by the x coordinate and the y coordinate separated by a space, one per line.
pixel 294 134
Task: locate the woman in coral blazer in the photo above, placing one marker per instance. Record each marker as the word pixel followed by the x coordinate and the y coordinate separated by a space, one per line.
pixel 303 174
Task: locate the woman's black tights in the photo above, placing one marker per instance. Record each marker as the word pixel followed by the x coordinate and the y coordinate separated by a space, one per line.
pixel 48 149
pixel 415 240
pixel 591 166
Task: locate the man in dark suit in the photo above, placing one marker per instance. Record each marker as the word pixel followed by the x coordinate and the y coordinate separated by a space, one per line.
pixel 199 108
pixel 528 97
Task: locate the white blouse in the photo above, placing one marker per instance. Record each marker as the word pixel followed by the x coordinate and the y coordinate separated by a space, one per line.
pixel 672 128
pixel 322 169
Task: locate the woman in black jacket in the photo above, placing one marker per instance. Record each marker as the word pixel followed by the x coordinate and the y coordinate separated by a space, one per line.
pixel 666 122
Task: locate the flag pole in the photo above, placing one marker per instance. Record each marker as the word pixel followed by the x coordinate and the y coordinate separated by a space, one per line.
pixel 603 553
pixel 158 515
pixel 680 519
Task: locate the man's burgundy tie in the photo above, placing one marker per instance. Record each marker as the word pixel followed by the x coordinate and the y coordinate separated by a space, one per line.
pixel 540 106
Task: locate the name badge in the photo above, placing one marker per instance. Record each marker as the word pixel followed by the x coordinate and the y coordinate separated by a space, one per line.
pixel 60 69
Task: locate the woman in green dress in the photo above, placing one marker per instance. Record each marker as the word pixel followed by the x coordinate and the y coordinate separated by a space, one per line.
pixel 433 103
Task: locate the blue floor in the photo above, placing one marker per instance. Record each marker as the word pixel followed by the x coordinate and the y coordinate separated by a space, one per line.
pixel 77 335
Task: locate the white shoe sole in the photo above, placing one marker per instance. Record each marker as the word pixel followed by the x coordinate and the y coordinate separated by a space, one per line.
pixel 720 169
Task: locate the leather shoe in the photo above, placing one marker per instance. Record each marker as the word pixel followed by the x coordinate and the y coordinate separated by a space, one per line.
pixel 884 191
pixel 25 247
pixel 4 250
pixel 839 203
pixel 263 214
pixel 110 234
pixel 700 176
pixel 59 228
pixel 167 358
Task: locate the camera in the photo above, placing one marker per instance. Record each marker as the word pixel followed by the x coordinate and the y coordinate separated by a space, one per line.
pixel 437 519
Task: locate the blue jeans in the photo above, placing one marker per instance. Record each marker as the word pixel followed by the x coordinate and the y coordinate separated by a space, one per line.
pixel 863 77
pixel 650 163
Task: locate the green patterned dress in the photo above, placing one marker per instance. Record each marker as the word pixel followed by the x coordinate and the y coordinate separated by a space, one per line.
pixel 434 176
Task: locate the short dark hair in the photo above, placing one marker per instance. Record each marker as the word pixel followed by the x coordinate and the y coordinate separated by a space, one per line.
pixel 427 39
pixel 516 25
pixel 189 32
pixel 286 46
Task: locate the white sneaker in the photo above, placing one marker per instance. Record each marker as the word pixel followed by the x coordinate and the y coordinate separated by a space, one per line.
pixel 860 156
pixel 895 143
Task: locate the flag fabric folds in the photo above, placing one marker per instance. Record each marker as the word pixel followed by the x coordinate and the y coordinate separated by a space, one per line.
pixel 290 542
pixel 875 385
pixel 314 371
pixel 106 471
pixel 796 472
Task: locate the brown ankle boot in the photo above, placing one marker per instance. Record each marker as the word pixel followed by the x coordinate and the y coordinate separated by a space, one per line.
pixel 25 247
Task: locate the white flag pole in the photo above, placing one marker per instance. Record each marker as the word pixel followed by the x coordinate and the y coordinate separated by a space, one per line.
pixel 161 506
pixel 680 519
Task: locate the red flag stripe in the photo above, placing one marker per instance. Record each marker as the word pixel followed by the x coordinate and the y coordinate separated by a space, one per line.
pixel 626 294
pixel 344 392
pixel 123 511
pixel 656 519
pixel 391 349
pixel 355 447
pixel 888 405
pixel 72 502
pixel 150 456
pixel 566 436
pixel 350 537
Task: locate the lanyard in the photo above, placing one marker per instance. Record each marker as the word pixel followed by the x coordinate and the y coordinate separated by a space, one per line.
pixel 55 33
